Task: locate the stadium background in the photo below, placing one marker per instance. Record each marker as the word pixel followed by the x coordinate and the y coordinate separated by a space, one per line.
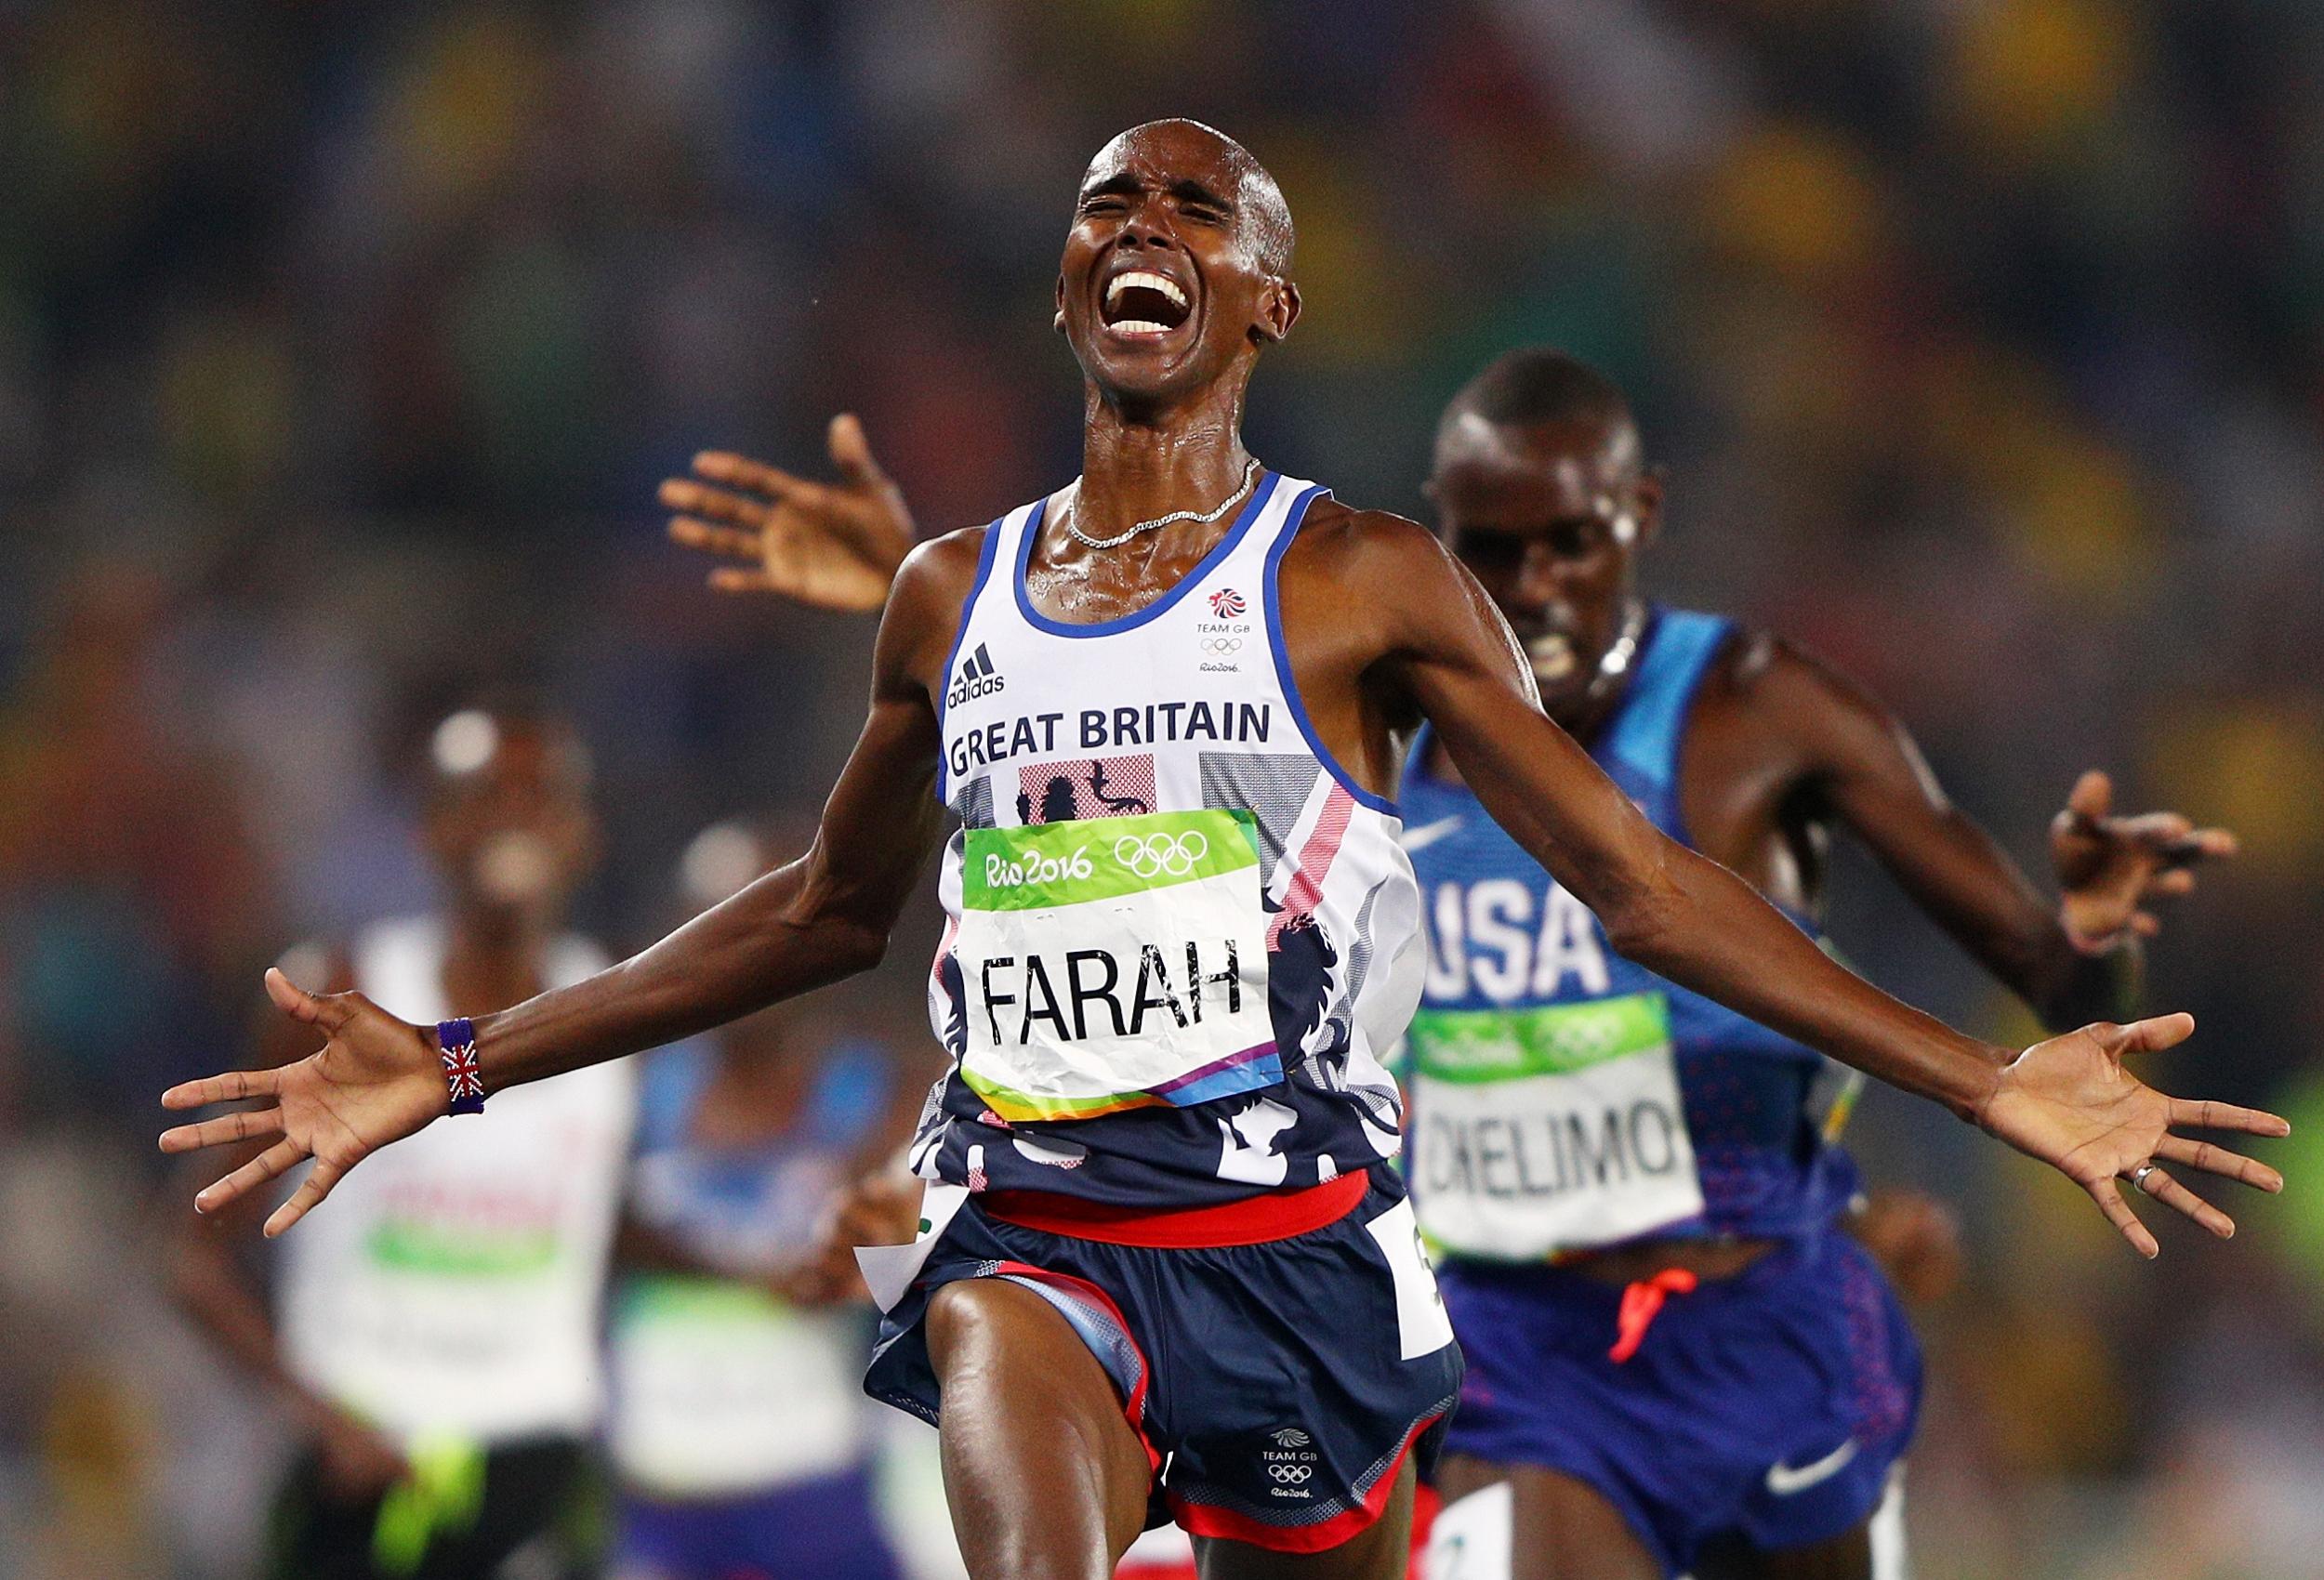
pixel 340 348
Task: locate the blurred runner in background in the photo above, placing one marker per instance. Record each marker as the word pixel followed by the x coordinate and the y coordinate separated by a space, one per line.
pixel 744 1441
pixel 437 1341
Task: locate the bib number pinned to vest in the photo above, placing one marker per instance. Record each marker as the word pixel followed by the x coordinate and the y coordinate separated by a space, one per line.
pixel 1548 1129
pixel 1115 963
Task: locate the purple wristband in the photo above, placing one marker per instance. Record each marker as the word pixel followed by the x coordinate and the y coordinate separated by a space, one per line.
pixel 458 1041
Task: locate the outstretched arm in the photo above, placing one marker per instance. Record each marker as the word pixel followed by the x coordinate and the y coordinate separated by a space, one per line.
pixel 2074 960
pixel 2068 1102
pixel 824 917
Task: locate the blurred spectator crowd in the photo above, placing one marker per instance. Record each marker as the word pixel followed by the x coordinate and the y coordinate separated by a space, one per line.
pixel 340 348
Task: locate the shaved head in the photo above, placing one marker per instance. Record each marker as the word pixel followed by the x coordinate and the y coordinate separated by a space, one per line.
pixel 1264 219
pixel 1535 386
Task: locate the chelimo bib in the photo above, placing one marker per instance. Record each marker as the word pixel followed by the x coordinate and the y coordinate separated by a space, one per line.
pixel 1555 1127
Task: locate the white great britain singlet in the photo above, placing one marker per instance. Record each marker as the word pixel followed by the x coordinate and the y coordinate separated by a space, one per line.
pixel 450 1287
pixel 1179 937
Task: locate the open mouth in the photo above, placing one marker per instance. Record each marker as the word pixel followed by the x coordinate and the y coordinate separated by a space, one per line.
pixel 1142 303
pixel 1553 657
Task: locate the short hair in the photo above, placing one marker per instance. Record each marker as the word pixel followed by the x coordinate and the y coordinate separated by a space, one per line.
pixel 1262 211
pixel 1538 384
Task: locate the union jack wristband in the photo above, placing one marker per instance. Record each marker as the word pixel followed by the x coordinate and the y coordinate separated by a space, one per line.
pixel 457 1039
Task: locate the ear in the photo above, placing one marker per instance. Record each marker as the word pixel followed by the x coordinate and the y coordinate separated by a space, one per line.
pixel 1278 309
pixel 1058 324
pixel 1647 493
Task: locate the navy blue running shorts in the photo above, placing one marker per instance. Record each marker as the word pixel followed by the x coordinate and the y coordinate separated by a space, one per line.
pixel 1276 1386
pixel 1771 1404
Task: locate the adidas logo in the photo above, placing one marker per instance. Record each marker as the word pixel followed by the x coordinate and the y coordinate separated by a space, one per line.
pixel 976 679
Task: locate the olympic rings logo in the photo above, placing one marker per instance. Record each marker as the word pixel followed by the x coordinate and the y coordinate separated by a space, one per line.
pixel 1219 647
pixel 1162 853
pixel 1290 1475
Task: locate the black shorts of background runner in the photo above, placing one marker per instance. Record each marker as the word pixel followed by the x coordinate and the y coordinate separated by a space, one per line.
pixel 542 1497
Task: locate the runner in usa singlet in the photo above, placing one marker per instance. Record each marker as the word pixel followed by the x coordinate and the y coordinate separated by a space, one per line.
pixel 1564 1098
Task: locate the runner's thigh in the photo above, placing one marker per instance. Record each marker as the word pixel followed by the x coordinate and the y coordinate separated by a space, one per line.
pixel 1043 1475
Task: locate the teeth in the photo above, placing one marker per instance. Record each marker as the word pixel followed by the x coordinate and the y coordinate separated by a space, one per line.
pixel 1139 326
pixel 1552 656
pixel 1152 282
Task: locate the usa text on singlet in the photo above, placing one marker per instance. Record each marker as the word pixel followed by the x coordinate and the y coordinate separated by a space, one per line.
pixel 1565 1098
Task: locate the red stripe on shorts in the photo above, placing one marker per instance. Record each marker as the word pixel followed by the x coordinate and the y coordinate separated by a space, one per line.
pixel 1272 1214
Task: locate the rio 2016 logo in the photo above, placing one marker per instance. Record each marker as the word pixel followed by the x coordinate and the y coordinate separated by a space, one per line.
pixel 1162 854
pixel 1002 873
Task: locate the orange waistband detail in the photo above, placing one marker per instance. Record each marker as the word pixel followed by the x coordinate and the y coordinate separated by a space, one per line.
pixel 1642 1302
pixel 1272 1214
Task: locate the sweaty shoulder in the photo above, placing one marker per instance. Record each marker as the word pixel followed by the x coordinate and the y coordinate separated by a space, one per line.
pixel 1338 539
pixel 940 568
pixel 925 604
pixel 1390 574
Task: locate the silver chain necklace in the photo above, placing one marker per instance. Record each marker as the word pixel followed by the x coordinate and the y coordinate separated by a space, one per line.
pixel 1072 528
pixel 1618 659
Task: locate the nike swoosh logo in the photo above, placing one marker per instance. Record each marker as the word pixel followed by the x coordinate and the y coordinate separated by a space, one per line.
pixel 1429 833
pixel 1783 1480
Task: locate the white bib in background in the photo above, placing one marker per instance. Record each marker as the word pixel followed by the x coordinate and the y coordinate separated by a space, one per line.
pixel 724 1390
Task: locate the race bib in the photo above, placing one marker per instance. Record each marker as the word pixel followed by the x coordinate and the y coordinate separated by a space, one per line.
pixel 1115 963
pixel 1548 1129
pixel 723 1389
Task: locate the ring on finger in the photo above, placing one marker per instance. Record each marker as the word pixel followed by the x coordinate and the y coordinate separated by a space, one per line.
pixel 2144 1172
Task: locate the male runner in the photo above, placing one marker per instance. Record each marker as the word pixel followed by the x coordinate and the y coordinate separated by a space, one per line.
pixel 1519 1153
pixel 439 1339
pixel 1169 1261
pixel 739 1429
pixel 1676 1362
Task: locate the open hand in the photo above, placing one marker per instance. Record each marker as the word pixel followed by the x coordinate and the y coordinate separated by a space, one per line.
pixel 376 1080
pixel 832 546
pixel 2069 1102
pixel 2111 866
